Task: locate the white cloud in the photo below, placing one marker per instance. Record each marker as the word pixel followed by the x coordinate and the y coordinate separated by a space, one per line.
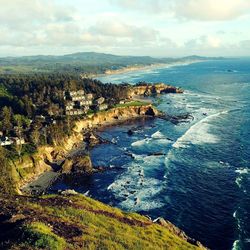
pixel 211 10
pixel 204 42
pixel 23 14
pixel 143 27
pixel 116 28
pixel 203 10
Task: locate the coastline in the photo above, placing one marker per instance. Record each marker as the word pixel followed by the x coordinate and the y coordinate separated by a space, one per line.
pixel 139 68
pixel 49 155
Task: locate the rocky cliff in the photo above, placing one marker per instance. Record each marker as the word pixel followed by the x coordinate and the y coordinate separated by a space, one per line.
pixel 29 167
pixel 152 89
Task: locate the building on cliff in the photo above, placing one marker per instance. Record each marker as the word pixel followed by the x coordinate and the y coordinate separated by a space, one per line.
pixel 77 102
pixel 100 104
pixel 6 141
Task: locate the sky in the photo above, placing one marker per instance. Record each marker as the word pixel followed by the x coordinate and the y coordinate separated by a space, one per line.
pixel 158 28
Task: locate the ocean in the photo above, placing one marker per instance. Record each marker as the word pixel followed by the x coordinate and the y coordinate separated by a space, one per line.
pixel 200 180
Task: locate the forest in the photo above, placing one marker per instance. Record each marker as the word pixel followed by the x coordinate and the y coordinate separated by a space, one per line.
pixel 32 106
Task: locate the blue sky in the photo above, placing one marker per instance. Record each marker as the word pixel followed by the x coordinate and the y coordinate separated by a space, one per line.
pixel 126 27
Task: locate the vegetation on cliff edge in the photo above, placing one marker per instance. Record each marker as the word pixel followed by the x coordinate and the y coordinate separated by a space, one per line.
pixel 79 222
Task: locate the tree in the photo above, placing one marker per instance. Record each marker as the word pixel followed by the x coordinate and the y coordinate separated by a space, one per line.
pixel 18 143
pixel 6 116
pixel 35 137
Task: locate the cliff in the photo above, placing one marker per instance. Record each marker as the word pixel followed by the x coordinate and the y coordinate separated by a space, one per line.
pixel 73 221
pixel 27 168
pixel 152 89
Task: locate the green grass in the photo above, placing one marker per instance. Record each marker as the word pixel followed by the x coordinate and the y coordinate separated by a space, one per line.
pixel 79 222
pixel 132 103
pixel 41 236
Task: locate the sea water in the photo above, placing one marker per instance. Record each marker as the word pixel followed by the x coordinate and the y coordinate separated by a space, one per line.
pixel 200 180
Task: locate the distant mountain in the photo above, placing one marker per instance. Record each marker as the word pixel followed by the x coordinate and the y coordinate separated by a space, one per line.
pixel 82 62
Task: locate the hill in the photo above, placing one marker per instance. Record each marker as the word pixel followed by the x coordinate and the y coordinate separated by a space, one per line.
pixel 74 221
pixel 83 62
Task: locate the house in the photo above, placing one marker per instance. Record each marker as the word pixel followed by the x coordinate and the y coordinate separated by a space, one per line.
pixel 75 112
pixel 89 96
pixel 78 103
pixel 69 106
pixel 100 101
pixel 101 107
pixel 6 141
pixel 18 141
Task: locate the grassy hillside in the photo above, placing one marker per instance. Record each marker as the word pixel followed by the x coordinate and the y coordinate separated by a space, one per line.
pixel 79 222
pixel 84 62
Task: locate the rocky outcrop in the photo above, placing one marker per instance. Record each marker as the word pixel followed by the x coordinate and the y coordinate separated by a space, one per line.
pixel 48 158
pixel 175 230
pixel 115 116
pixel 152 89
pixel 77 164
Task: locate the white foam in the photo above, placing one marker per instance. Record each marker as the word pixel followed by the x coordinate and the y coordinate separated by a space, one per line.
pixel 238 181
pixel 242 171
pixel 157 135
pixel 163 141
pixel 199 133
pixel 140 142
pixel 236 245
pixel 135 188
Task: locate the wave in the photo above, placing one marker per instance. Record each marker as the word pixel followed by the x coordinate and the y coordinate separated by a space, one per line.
pixel 242 174
pixel 157 135
pixel 237 245
pixel 140 142
pixel 198 133
pixel 242 170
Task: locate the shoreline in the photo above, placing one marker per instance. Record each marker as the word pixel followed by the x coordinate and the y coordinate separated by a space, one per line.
pixel 41 181
pixel 140 68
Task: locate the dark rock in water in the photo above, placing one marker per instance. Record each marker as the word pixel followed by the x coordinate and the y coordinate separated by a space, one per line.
pixel 176 119
pixel 80 163
pixel 92 139
pixel 156 154
pixel 205 114
pixel 130 132
pixel 101 168
pixel 129 154
pixel 169 139
pixel 150 111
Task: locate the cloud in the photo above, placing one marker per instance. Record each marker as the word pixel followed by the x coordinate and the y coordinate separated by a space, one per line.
pixel 143 27
pixel 204 42
pixel 210 10
pixel 202 10
pixel 245 44
pixel 118 29
pixel 25 14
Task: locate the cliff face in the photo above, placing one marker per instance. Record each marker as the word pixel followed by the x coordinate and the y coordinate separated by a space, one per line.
pixel 148 90
pixel 115 115
pixel 29 167
pixel 79 218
